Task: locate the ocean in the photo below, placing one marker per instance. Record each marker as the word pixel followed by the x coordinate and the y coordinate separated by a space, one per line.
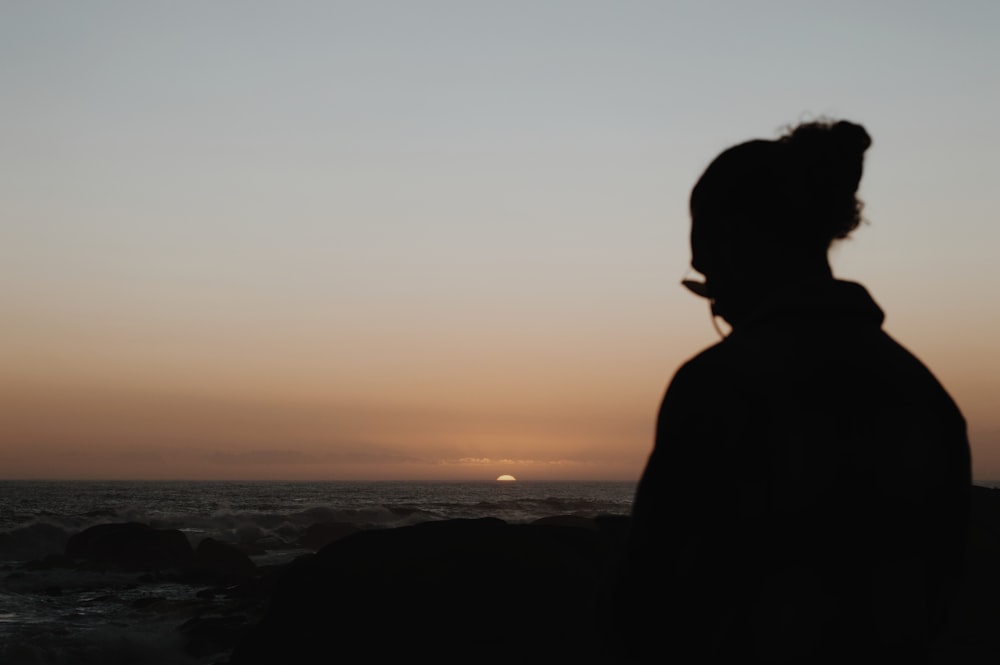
pixel 72 615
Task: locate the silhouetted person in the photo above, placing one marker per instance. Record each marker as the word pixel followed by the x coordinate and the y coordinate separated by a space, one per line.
pixel 806 500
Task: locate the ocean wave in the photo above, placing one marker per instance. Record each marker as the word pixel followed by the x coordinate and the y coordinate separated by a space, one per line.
pixel 262 517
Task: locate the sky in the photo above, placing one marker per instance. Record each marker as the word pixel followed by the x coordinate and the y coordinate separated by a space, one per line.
pixel 444 240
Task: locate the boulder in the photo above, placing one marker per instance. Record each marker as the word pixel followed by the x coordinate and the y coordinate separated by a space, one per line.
pixel 131 546
pixel 454 591
pixel 31 541
pixel 217 562
pixel 324 533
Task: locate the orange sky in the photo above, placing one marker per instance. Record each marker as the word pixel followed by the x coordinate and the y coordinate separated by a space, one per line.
pixel 392 243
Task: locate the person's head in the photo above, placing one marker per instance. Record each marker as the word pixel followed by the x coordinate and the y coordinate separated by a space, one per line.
pixel 771 208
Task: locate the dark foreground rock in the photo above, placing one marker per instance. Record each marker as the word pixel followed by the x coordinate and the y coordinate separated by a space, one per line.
pixel 457 591
pixel 483 591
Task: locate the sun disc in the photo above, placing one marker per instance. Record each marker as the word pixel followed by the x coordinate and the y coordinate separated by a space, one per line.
pixel 506 478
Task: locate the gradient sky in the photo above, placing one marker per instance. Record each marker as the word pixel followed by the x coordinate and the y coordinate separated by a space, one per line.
pixel 401 240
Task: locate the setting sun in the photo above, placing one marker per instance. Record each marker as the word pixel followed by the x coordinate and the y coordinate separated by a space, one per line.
pixel 506 478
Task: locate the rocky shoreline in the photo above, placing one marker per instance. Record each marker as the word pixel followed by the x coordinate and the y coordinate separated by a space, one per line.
pixel 458 590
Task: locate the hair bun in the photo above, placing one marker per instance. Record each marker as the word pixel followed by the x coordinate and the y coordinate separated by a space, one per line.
pixel 823 139
pixel 829 154
pixel 827 160
pixel 850 137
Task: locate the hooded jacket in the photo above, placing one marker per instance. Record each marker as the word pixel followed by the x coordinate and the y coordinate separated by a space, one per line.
pixel 806 499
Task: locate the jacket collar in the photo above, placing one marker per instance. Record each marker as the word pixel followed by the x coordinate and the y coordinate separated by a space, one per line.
pixel 831 298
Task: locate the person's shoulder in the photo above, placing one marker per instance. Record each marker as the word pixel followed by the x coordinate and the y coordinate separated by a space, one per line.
pixel 708 369
pixel 909 368
pixel 718 358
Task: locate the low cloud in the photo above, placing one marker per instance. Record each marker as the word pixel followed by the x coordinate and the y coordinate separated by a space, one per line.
pixel 254 457
pixel 335 454
pixel 483 461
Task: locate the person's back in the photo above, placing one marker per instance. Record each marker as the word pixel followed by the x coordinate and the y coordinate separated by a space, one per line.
pixel 807 494
pixel 807 479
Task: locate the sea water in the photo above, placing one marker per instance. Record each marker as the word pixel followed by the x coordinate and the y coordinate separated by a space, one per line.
pixel 73 616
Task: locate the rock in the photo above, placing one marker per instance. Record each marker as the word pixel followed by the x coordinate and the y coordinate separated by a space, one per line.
pixel 454 591
pixel 567 520
pixel 33 541
pixel 318 535
pixel 131 546
pixel 219 563
pixel 49 562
